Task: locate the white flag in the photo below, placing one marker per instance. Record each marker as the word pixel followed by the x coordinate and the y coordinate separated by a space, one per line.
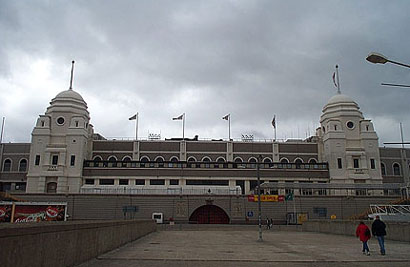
pixel 226 117
pixel 133 117
pixel 179 117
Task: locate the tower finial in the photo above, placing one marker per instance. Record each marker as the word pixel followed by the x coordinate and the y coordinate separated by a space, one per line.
pixel 72 74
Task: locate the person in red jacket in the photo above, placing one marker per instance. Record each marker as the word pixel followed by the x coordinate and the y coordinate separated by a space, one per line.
pixel 363 233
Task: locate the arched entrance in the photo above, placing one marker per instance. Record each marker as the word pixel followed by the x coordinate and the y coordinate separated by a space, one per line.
pixel 209 214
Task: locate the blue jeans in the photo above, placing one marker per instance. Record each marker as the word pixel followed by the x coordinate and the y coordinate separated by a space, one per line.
pixel 380 238
pixel 365 246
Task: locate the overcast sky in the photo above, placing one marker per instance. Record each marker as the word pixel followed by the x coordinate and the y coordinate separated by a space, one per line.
pixel 250 59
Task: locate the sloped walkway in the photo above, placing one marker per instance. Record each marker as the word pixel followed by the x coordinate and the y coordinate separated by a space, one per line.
pixel 239 246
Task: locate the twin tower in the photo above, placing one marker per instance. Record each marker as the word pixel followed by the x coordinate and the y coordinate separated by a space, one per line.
pixel 62 139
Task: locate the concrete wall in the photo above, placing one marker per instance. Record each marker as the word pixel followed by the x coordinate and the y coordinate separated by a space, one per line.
pixel 65 243
pixel 110 207
pixel 395 231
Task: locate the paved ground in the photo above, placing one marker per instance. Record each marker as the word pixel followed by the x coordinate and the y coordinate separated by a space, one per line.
pixel 239 246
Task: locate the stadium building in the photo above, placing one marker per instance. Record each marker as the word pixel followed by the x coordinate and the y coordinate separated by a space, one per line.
pixel 66 157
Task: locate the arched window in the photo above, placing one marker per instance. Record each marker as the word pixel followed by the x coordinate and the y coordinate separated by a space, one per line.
pixel 97 158
pixel 284 160
pixel 52 187
pixel 220 159
pixel 126 159
pixel 267 160
pixel 206 160
pixel 173 162
pixel 23 165
pixel 191 159
pixel 383 168
pixel 312 161
pixel 144 160
pixel 7 165
pixel 238 160
pixel 253 161
pixel 160 161
pixel 298 162
pixel 396 169
pixel 112 161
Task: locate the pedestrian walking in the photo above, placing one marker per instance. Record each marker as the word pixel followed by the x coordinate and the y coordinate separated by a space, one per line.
pixel 379 230
pixel 363 233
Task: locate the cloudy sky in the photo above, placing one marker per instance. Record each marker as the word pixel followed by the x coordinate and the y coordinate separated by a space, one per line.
pixel 250 59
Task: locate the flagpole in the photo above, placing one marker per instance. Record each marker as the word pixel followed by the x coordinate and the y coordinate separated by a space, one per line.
pixel 2 130
pixel 136 128
pixel 183 126
pixel 229 127
pixel 275 128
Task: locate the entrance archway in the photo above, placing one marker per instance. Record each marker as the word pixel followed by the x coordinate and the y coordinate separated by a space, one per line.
pixel 209 214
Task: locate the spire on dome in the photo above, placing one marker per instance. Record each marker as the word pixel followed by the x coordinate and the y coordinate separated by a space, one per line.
pixel 72 74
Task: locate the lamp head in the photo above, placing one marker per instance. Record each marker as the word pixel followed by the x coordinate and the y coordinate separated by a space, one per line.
pixel 376 58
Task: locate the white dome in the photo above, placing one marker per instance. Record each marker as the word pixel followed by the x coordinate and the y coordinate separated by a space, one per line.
pixel 68 101
pixel 70 94
pixel 341 105
pixel 339 98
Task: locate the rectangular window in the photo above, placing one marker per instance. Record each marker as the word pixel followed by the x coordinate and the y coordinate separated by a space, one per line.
pixel 356 163
pixel 89 181
pixel 123 181
pixel 241 183
pixel 372 164
pixel 207 182
pixel 106 181
pixel 37 161
pixel 54 160
pixel 140 182
pixel 157 182
pixel 253 184
pixel 320 212
pixel 339 163
pixel 76 123
pixel 72 160
pixel 174 182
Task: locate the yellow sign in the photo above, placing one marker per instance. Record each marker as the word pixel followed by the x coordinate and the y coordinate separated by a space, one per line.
pixel 266 198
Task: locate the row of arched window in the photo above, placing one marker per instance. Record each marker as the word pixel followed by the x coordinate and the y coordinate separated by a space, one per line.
pixel 7 164
pixel 396 168
pixel 204 159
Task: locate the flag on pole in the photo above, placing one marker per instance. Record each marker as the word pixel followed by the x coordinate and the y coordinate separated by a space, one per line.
pixel 226 117
pixel 274 121
pixel 133 117
pixel 179 117
pixel 334 79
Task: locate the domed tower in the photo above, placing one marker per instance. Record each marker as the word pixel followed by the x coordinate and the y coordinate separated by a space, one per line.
pixel 349 143
pixel 60 142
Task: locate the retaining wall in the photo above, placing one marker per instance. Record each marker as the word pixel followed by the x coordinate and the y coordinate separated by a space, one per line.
pixel 395 231
pixel 65 243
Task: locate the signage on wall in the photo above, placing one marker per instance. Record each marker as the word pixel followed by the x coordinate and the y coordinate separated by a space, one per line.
pixel 266 198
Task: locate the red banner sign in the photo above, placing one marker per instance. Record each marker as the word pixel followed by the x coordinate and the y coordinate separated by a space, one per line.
pixel 5 213
pixel 37 213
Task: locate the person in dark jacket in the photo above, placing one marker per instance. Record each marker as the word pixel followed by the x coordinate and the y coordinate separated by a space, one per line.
pixel 379 230
pixel 363 233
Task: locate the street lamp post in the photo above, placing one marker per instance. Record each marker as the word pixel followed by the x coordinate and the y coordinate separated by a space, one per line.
pixel 259 198
pixel 378 58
